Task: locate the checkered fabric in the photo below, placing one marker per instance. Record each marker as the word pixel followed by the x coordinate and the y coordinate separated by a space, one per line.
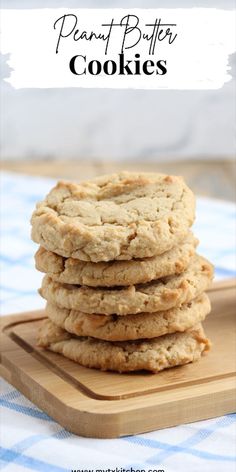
pixel 31 440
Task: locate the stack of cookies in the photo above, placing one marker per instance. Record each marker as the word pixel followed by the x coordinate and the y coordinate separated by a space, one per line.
pixel 124 285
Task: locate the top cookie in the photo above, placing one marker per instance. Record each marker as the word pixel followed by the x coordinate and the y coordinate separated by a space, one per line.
pixel 115 217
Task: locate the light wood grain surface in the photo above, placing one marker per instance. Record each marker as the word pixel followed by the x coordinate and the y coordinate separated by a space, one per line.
pixel 215 178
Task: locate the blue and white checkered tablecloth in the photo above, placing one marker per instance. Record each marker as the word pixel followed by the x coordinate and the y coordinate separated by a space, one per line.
pixel 30 440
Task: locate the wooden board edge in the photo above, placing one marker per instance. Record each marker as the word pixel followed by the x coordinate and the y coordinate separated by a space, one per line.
pixel 219 285
pixel 110 419
pixel 10 320
pixel 189 409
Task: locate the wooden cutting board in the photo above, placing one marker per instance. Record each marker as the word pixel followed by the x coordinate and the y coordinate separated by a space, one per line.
pixel 91 403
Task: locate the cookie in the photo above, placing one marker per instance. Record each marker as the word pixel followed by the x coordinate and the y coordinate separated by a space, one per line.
pixel 130 327
pixel 161 294
pixel 120 216
pixel 121 273
pixel 154 354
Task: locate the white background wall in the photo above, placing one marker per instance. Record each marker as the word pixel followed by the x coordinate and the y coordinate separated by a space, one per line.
pixel 117 124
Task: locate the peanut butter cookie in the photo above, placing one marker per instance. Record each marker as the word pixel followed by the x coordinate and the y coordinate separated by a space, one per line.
pixel 119 216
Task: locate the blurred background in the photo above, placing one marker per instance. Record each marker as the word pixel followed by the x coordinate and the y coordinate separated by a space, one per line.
pixel 80 133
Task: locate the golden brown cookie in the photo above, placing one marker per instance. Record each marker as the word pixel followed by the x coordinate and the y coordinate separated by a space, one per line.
pixel 153 354
pixel 113 273
pixel 130 327
pixel 161 294
pixel 119 216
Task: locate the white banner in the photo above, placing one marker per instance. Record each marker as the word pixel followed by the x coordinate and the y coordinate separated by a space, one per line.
pixel 118 48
